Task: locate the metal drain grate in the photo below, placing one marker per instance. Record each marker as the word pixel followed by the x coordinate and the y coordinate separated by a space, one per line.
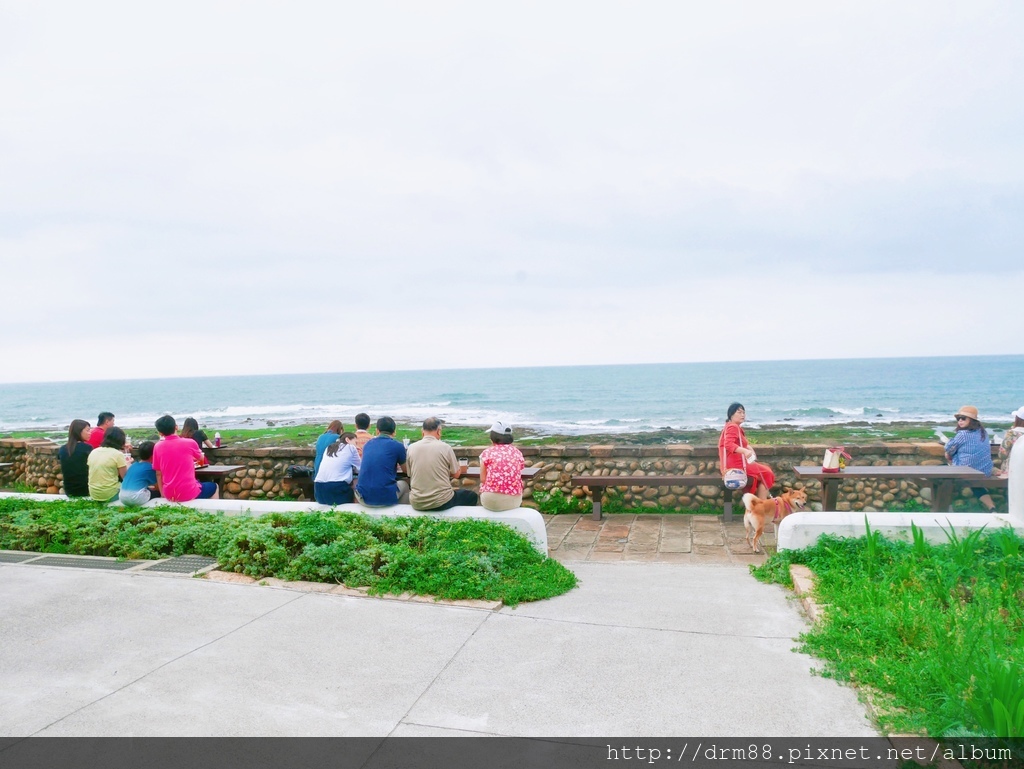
pixel 17 557
pixel 183 564
pixel 86 563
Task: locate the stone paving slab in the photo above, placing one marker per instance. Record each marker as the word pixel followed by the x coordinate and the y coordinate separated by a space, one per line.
pixel 681 539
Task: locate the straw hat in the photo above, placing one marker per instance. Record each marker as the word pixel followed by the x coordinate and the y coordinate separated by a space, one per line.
pixel 968 411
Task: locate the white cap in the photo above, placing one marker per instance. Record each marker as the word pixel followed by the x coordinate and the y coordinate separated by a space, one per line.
pixel 1018 414
pixel 502 428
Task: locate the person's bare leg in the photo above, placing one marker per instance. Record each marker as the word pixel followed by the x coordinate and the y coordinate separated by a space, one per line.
pixel 762 491
pixel 986 500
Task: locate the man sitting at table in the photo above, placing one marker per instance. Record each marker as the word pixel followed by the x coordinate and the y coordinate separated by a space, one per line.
pixel 103 423
pixel 174 460
pixel 432 468
pixel 362 431
pixel 378 484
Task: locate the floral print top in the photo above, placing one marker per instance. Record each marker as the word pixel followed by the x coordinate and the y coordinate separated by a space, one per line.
pixel 504 463
pixel 1004 448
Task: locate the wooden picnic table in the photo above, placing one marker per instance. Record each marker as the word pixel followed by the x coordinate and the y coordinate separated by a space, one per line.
pixel 217 473
pixel 940 477
pixel 474 472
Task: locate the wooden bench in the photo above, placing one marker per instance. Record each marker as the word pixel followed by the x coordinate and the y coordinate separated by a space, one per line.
pixel 598 483
pixel 995 482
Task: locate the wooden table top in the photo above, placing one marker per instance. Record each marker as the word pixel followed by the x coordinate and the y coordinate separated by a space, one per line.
pixel 217 471
pixel 928 472
pixel 474 472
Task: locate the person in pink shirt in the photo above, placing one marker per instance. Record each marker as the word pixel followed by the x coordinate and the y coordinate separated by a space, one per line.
pixel 501 471
pixel 174 460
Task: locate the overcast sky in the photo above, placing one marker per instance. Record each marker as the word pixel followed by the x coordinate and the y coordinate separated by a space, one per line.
pixel 246 187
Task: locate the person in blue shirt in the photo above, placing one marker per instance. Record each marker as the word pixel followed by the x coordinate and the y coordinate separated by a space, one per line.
pixel 970 448
pixel 334 430
pixel 139 483
pixel 378 484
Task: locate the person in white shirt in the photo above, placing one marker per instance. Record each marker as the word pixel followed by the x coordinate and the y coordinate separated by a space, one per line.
pixel 333 482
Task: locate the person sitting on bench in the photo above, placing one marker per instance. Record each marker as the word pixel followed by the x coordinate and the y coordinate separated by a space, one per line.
pixel 378 484
pixel 432 468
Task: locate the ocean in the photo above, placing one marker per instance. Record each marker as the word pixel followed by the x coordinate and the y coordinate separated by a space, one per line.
pixel 564 400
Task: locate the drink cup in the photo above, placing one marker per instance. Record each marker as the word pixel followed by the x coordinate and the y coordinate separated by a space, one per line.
pixel 216 440
pixel 405 442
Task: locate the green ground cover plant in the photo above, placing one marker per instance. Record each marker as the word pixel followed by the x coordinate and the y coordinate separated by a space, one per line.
pixel 453 559
pixel 557 502
pixel 935 631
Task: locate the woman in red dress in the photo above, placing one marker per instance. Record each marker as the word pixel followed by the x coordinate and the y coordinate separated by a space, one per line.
pixel 734 452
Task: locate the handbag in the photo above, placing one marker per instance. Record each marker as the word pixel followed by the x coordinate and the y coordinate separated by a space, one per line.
pixel 735 478
pixel 835 460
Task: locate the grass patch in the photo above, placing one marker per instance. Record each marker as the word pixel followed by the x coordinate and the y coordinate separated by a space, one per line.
pixel 461 435
pixel 936 630
pixel 556 502
pixel 453 559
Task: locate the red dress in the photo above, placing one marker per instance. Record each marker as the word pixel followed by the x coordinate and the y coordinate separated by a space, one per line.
pixel 731 439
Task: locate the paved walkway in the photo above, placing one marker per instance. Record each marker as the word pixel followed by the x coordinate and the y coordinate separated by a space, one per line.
pixel 683 539
pixel 677 638
pixel 638 649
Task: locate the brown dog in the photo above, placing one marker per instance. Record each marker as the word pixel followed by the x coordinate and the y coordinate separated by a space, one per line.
pixel 761 511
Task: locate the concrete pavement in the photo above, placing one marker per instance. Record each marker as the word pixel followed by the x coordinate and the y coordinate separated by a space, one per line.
pixel 644 649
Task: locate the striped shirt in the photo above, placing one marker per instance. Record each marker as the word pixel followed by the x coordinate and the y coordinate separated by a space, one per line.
pixel 967 449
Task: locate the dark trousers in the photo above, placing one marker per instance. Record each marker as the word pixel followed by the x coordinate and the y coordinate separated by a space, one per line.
pixel 462 498
pixel 333 493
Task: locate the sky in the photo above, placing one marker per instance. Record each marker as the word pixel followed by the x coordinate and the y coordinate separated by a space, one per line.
pixel 215 188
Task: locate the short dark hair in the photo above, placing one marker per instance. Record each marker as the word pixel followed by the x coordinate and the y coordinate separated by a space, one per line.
pixel 166 425
pixel 501 438
pixel 146 450
pixel 386 425
pixel 733 408
pixel 362 420
pixel 114 438
pixel 430 424
pixel 103 418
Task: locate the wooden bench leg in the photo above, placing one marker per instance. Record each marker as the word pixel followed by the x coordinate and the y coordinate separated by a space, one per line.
pixel 597 494
pixel 942 497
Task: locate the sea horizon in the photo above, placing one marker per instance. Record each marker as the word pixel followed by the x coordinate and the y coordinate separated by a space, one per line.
pixel 578 399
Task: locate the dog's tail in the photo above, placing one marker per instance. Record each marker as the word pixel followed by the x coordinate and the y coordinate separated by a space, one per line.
pixel 748 500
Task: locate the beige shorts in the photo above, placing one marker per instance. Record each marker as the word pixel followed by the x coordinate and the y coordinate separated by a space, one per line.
pixel 499 503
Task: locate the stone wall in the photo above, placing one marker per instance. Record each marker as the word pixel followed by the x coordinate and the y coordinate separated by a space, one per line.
pixel 263 473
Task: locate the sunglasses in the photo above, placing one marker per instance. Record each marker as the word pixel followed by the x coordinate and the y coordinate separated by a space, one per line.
pixel 963 419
